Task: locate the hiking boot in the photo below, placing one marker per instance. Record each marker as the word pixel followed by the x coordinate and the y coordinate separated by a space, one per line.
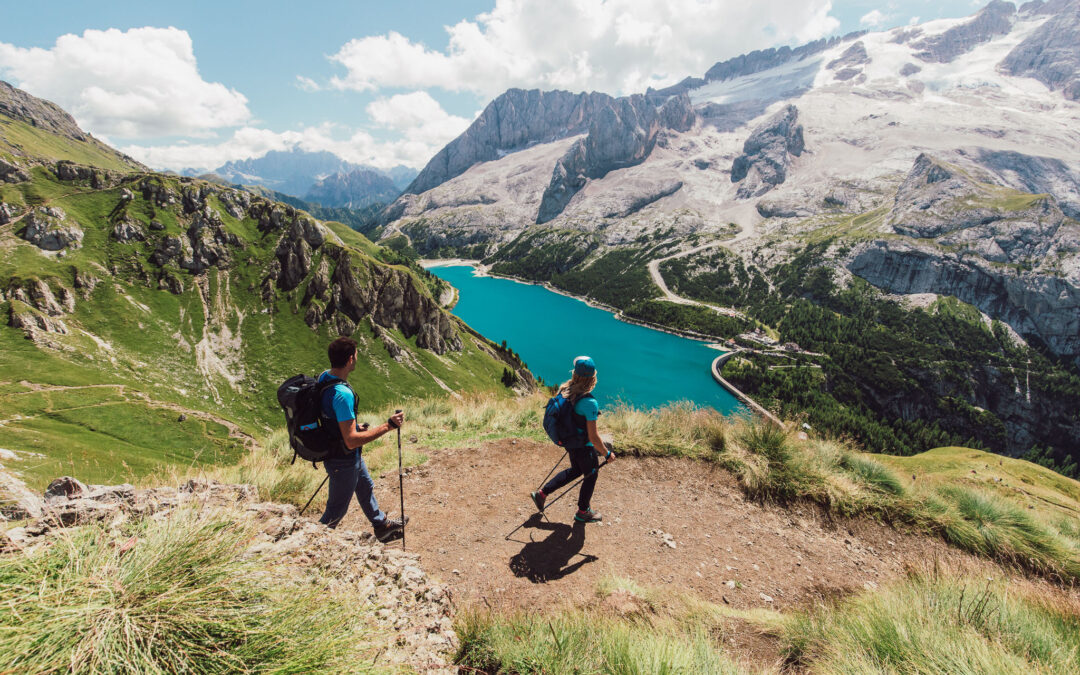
pixel 390 528
pixel 588 516
pixel 538 499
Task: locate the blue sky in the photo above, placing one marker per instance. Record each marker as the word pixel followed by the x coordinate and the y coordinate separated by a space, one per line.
pixel 199 83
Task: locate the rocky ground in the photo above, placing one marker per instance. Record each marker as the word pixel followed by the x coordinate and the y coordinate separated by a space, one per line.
pixel 414 613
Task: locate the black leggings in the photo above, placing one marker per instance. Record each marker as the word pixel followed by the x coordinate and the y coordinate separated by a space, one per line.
pixel 582 462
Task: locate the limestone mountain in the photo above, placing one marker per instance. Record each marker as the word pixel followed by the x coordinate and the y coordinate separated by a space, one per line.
pixel 931 160
pixel 354 190
pixel 130 298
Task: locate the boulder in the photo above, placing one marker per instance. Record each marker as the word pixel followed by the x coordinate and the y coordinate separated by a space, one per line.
pixel 12 173
pixel 127 231
pixel 65 488
pixel 7 213
pixel 48 228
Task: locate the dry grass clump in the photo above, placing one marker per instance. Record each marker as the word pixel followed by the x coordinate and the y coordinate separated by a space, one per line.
pixel 172 594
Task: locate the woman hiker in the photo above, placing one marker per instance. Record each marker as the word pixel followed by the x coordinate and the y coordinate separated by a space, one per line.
pixel 584 453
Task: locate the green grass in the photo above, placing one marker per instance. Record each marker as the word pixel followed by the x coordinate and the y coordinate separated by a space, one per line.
pixel 656 635
pixel 173 594
pixel 43 144
pixel 938 623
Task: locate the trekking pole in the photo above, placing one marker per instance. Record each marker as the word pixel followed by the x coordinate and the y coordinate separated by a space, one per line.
pixel 571 486
pixel 553 468
pixel 315 493
pixel 401 483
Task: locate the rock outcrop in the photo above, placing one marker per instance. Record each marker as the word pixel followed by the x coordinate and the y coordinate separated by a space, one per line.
pixel 8 212
pixel 767 153
pixel 1034 174
pixel 993 20
pixel 36 309
pixel 938 201
pixel 1049 54
pixel 97 178
pixel 12 173
pixel 50 229
pixel 127 231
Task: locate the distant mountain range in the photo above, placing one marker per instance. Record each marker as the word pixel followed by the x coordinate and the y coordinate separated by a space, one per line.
pixel 317 177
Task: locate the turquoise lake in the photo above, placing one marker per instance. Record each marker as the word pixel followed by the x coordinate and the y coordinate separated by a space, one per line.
pixel 634 364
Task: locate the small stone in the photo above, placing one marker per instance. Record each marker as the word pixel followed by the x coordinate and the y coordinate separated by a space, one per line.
pixel 181 418
pixel 764 597
pixel 730 583
pixel 64 488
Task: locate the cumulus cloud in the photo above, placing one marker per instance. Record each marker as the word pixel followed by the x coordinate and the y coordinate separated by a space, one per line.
pixel 617 46
pixel 420 126
pixel 139 83
pixel 873 19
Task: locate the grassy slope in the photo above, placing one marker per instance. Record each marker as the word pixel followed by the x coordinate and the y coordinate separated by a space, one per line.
pixel 143 341
pixel 20 138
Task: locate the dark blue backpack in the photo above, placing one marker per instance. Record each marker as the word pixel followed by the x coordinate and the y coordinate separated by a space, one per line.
pixel 561 423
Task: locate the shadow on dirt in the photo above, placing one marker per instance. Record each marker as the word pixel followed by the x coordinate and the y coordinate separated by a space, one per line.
pixel 549 559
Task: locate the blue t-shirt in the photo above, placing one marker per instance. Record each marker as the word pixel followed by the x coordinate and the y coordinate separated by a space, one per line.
pixel 342 402
pixel 588 408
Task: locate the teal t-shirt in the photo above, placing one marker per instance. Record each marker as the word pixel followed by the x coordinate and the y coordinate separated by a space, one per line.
pixel 588 408
pixel 342 402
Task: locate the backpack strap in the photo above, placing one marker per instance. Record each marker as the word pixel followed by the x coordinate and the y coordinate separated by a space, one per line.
pixel 580 423
pixel 325 385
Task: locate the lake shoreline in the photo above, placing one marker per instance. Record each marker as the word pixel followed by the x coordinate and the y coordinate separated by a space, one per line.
pixel 481 270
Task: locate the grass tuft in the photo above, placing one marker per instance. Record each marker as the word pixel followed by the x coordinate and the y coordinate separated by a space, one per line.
pixel 938 623
pixel 172 594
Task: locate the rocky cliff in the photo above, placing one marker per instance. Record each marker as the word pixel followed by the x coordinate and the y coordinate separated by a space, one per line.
pixel 993 20
pixel 514 120
pixel 1050 54
pixel 767 153
pixel 621 134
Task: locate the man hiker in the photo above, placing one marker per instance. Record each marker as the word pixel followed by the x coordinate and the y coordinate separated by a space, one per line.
pixel 583 453
pixel 346 468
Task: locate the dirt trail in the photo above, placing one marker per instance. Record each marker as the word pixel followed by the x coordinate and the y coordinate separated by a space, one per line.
pixel 464 502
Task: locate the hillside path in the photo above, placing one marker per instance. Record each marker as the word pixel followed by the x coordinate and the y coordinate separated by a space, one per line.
pixel 464 502
pixel 658 279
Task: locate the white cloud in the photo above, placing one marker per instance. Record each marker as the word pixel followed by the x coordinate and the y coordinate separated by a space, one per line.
pixel 417 116
pixel 872 19
pixel 913 21
pixel 617 46
pixel 139 83
pixel 420 124
pixel 307 84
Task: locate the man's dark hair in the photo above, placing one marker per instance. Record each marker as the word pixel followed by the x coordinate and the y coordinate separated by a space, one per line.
pixel 340 350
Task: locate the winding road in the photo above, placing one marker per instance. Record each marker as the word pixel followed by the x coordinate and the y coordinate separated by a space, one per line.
pixel 658 279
